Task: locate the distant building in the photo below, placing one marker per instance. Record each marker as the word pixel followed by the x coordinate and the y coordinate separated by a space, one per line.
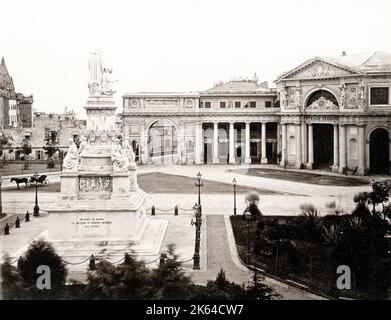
pixel 15 108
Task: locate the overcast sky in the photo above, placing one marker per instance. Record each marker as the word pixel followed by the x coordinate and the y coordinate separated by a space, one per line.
pixel 176 45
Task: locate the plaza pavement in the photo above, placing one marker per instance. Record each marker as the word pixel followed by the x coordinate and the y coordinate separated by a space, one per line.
pixel 217 246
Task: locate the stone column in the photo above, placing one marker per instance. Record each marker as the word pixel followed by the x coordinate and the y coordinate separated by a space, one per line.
pixel 283 145
pixel 336 148
pixel 310 162
pixel 143 145
pixel 215 142
pixel 299 163
pixel 182 147
pixel 361 150
pixel 247 159
pixel 231 143
pixel 304 142
pixel 264 158
pixel 342 148
pixel 197 143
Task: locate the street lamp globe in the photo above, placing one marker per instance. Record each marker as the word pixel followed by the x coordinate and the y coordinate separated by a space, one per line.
pixel 234 181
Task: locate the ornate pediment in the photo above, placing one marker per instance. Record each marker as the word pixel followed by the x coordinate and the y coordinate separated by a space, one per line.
pixel 322 104
pixel 318 69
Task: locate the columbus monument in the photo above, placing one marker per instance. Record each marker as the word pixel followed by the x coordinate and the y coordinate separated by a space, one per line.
pixel 101 210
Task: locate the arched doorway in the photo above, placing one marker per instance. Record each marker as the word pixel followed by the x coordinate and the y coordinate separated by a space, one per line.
pixel 163 142
pixel 323 133
pixel 379 151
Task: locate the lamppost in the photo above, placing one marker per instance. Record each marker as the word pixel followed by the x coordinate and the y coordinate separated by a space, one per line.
pixel 36 207
pixel 247 215
pixel 234 182
pixel 199 184
pixel 197 223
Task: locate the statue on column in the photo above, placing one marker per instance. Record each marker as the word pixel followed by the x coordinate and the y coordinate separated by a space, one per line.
pixel 71 160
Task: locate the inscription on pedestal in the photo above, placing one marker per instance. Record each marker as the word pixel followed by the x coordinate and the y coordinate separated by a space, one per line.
pixel 91 222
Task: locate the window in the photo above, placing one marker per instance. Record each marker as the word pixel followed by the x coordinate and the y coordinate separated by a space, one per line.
pixel 238 104
pixel 207 104
pixel 223 104
pixel 268 104
pixel 379 95
pixel 201 104
pixel 38 154
pixel 253 104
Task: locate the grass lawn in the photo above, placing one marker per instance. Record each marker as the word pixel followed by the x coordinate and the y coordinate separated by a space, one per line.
pixel 305 177
pixel 166 183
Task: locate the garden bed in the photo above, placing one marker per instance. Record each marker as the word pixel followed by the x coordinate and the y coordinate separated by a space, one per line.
pixel 291 248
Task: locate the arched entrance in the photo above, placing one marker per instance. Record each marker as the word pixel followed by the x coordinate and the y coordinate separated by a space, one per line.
pixel 379 151
pixel 323 133
pixel 163 142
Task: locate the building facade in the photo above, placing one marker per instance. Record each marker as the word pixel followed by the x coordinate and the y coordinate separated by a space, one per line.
pixel 15 108
pixel 329 112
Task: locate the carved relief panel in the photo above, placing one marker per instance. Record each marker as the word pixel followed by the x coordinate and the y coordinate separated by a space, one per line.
pixel 95 184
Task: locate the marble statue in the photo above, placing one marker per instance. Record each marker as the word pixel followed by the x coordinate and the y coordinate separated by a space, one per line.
pixel 83 144
pixel 107 82
pixel 71 160
pixel 128 150
pixel 342 88
pixel 118 157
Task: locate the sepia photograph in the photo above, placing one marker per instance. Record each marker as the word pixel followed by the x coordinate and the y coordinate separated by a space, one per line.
pixel 195 155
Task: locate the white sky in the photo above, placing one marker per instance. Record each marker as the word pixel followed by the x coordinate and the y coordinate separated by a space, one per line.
pixel 176 45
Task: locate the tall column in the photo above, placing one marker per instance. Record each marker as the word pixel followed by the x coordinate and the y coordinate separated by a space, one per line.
pixel 310 162
pixel 283 145
pixel 231 143
pixel 342 148
pixel 143 145
pixel 304 141
pixel 299 163
pixel 247 158
pixel 336 148
pixel 264 158
pixel 361 150
pixel 197 144
pixel 183 143
pixel 215 142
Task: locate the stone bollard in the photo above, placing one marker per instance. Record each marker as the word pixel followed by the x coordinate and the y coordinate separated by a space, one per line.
pixel 176 211
pixel 17 222
pixel 92 263
pixel 153 211
pixel 27 217
pixel 6 229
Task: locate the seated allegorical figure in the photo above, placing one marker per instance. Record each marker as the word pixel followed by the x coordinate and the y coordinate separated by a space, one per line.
pixel 71 160
pixel 128 150
pixel 118 157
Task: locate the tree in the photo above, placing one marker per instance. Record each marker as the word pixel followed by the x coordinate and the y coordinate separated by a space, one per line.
pixel 258 290
pixel 12 283
pixel 41 253
pixel 50 149
pixel 26 150
pixel 169 280
pixel 252 200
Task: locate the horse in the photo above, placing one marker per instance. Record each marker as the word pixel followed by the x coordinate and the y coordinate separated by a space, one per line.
pixel 41 179
pixel 20 180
